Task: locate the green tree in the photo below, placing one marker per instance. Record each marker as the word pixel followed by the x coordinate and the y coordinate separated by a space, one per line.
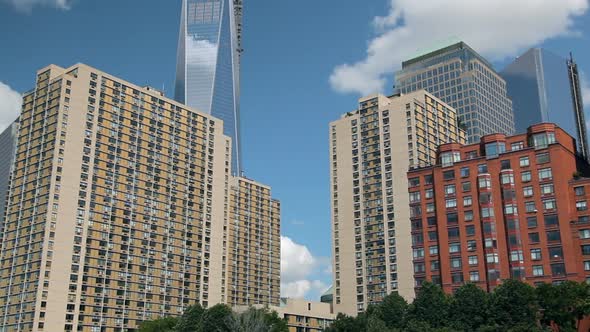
pixel 392 311
pixel 257 320
pixel 564 304
pixel 514 303
pixel 470 308
pixel 430 306
pixel 345 323
pixel 375 324
pixel 217 319
pixel 163 324
pixel 190 321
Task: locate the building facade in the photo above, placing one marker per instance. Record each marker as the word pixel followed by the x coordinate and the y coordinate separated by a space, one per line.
pixel 467 82
pixel 207 69
pixel 499 209
pixel 118 210
pixel 372 148
pixel 7 153
pixel 254 238
pixel 539 85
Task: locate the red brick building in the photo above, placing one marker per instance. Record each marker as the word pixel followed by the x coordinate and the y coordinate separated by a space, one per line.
pixel 508 207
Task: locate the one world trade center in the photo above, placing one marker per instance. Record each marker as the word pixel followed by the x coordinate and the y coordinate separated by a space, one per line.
pixel 208 64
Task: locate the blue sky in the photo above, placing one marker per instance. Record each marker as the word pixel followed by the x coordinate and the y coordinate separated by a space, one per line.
pixel 305 63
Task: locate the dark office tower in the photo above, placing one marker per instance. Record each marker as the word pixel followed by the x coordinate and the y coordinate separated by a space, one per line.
pixel 545 87
pixel 467 82
pixel 208 66
pixel 7 150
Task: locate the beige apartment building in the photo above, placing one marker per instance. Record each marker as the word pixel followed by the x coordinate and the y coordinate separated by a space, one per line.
pixel 254 269
pixel 118 208
pixel 372 148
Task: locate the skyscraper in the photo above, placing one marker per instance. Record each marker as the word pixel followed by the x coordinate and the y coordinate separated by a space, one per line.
pixel 372 149
pixel 544 87
pixel 467 82
pixel 119 211
pixel 7 152
pixel 208 63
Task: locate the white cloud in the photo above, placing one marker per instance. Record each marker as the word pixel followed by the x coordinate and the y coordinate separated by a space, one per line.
pixel 10 105
pixel 298 265
pixel 496 29
pixel 27 5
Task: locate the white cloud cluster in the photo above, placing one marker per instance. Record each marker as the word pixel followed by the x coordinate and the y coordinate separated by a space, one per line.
pixel 297 266
pixel 10 105
pixel 27 5
pixel 496 29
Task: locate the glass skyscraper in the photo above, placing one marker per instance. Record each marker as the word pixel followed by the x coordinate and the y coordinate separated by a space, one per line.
pixel 208 64
pixel 467 82
pixel 544 87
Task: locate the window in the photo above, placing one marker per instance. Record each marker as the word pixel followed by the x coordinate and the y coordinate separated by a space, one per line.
pixel 542 158
pixel 432 235
pixel 415 197
pixel 527 191
pixel 534 238
pixel 495 148
pixel 434 266
pixel 558 269
pixel 451 203
pixel 555 253
pixel 549 204
pixel 542 140
pixel 428 193
pixel 551 220
pixel 453 232
pixel 579 191
pixel 448 158
pixel 468 215
pixel 472 260
pixel 470 230
pixel 428 179
pixel 505 164
pixel 464 172
pixel 581 206
pixel 547 189
pixel 466 186
pixel 545 174
pixel 414 182
pixel 492 258
pixel 456 263
pixel 553 236
pixel 433 250
pixel 418 253
pixel 471 245
pixel 516 256
pixel 586 265
pixel 431 221
pixel 536 254
pixel 450 189
pixel 452 218
pixel 584 234
pixel 524 161
pixel 525 176
pixel 430 207
pixel 457 278
pixel 530 206
pixel 485 182
pixel 449 175
pixel 507 178
pixel 586 250
pixel 531 222
pixel 487 212
pixel 467 201
pixel 454 247
pixel 517 146
pixel 482 169
pixel 538 270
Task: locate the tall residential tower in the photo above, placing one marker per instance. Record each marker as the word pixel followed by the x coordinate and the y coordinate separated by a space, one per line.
pixel 121 209
pixel 372 149
pixel 543 88
pixel 467 82
pixel 208 63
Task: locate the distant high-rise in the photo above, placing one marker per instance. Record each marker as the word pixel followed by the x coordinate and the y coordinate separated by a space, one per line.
pixel 372 149
pixel 7 151
pixel 467 82
pixel 208 63
pixel 544 87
